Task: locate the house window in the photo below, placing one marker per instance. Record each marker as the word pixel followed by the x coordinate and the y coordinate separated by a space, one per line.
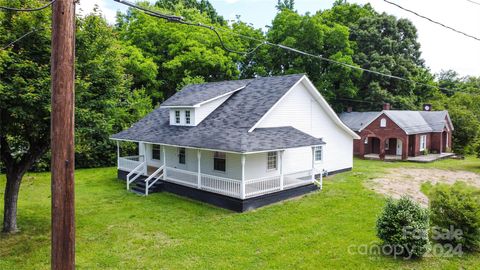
pixel 187 117
pixel 318 153
pixel 156 152
pixel 366 140
pixel 177 117
pixel 383 122
pixel 272 160
pixel 423 142
pixel 387 144
pixel 181 155
pixel 219 161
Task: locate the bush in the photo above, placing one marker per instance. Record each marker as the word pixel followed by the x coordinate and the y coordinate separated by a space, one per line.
pixel 403 226
pixel 453 208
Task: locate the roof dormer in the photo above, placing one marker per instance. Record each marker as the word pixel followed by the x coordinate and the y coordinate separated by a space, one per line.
pixel 194 103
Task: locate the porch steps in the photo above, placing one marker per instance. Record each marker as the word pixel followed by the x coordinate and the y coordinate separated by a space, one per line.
pixel 138 187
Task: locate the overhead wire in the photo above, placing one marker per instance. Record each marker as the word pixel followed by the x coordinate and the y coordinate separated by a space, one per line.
pixel 178 19
pixel 20 38
pixel 28 9
pixel 433 21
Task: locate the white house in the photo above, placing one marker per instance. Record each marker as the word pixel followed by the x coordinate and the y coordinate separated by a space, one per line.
pixel 238 144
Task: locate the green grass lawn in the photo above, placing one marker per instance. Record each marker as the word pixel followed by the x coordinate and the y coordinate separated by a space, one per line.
pixel 120 230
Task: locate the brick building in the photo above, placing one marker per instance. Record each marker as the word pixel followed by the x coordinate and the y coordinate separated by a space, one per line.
pixel 400 134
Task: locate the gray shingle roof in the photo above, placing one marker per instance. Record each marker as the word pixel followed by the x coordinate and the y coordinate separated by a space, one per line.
pixel 412 122
pixel 358 120
pixel 227 127
pixel 193 94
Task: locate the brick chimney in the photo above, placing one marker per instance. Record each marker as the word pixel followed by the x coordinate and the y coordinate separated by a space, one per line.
pixel 349 109
pixel 386 106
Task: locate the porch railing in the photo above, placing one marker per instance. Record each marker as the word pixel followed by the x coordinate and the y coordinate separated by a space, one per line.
pixel 129 163
pixel 260 186
pixel 216 184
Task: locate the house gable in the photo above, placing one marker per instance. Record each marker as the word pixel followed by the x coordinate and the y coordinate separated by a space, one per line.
pixel 297 108
pixel 375 128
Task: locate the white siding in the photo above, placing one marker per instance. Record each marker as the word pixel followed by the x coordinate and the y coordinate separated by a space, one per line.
pixel 300 110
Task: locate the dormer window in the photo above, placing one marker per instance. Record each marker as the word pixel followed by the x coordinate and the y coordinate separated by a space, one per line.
pixel 187 117
pixel 383 122
pixel 177 117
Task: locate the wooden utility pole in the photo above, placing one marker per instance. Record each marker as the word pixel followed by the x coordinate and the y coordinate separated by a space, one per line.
pixel 62 135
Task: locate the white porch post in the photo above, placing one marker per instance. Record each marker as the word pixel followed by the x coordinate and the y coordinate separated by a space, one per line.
pixel 118 155
pixel 313 164
pixel 164 163
pixel 199 175
pixel 281 169
pixel 242 185
pixel 143 151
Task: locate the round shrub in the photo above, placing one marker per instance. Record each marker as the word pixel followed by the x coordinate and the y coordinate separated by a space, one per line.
pixel 403 227
pixel 455 216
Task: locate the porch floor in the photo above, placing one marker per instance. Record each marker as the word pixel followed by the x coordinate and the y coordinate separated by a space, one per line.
pixel 387 157
pixel 430 157
pixel 421 158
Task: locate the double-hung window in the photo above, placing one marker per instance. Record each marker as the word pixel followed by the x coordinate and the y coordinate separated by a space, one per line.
pixel 272 160
pixel 318 153
pixel 177 117
pixel 423 142
pixel 187 117
pixel 181 155
pixel 219 161
pixel 156 152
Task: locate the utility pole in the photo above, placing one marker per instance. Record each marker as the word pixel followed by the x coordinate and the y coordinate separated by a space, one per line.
pixel 62 135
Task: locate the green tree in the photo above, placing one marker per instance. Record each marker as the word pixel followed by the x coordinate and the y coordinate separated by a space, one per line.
pixel 310 33
pixel 179 50
pixel 105 101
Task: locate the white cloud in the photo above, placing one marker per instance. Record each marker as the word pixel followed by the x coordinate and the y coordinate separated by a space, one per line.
pixel 87 6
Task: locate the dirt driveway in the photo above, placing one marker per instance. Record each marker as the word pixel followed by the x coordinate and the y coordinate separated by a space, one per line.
pixel 407 181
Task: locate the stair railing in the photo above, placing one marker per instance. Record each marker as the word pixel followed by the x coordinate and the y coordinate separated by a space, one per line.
pixel 155 178
pixel 138 170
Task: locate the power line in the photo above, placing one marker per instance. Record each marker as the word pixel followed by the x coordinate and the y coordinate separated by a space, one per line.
pixel 433 21
pixel 177 19
pixel 473 2
pixel 181 20
pixel 20 38
pixel 28 9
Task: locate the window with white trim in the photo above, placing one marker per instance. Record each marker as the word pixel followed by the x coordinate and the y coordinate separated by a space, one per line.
pixel 383 122
pixel 182 155
pixel 366 140
pixel 318 153
pixel 187 117
pixel 423 142
pixel 219 161
pixel 177 117
pixel 272 158
pixel 156 152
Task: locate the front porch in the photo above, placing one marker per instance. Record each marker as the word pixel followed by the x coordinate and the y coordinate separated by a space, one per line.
pixel 244 176
pixel 422 158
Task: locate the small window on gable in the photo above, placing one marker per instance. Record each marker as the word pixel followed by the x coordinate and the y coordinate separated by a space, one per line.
pixel 219 161
pixel 383 122
pixel 187 117
pixel 156 152
pixel 318 153
pixel 181 155
pixel 272 160
pixel 177 117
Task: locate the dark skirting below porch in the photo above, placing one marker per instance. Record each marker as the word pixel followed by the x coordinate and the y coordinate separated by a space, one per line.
pixel 234 204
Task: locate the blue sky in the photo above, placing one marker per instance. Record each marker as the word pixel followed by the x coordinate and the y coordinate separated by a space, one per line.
pixel 441 48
